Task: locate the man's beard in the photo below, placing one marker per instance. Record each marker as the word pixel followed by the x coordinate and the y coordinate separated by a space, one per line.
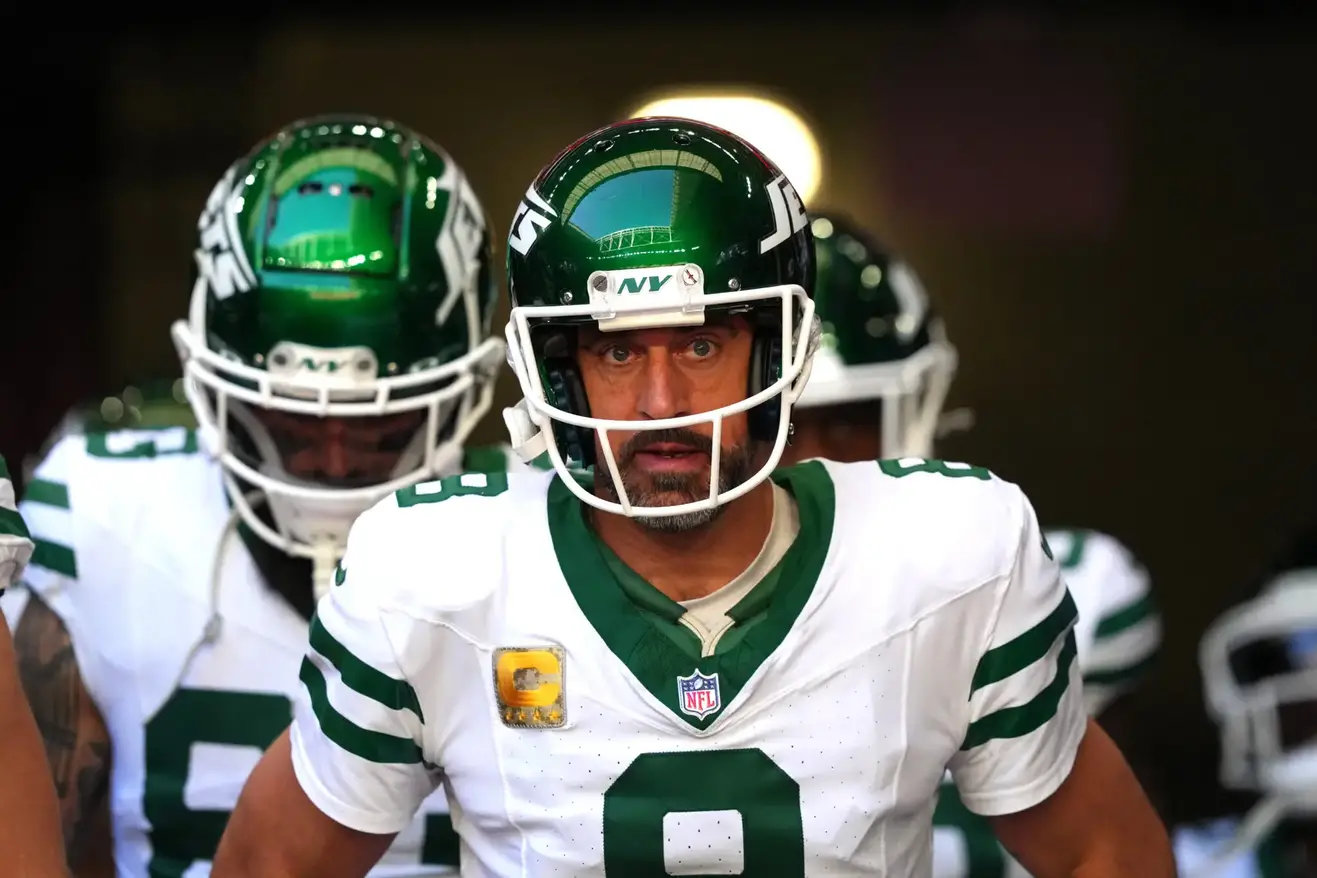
pixel 657 489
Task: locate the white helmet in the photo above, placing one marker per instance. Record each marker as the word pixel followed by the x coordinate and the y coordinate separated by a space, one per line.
pixel 1259 664
pixel 1258 660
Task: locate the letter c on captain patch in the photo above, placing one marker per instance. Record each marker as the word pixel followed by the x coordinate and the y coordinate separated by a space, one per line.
pixel 530 686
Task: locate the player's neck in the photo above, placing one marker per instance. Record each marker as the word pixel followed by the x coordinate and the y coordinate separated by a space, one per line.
pixel 694 563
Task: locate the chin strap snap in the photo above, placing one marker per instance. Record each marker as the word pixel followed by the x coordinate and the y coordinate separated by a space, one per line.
pixel 526 439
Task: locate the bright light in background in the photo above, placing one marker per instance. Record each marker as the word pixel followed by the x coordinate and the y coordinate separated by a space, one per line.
pixel 775 131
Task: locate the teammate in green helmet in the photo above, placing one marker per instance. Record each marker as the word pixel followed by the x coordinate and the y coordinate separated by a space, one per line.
pixel 337 345
pixel 335 349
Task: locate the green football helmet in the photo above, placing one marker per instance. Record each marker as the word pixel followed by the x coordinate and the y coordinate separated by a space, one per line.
pixel 882 339
pixel 343 272
pixel 653 223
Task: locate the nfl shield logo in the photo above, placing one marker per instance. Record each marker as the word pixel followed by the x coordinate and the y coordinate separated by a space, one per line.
pixel 698 694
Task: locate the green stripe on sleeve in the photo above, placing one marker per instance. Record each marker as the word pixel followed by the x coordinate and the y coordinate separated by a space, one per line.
pixel 55 557
pixel 362 678
pixel 1015 722
pixel 368 744
pixel 1126 617
pixel 4 469
pixel 11 524
pixel 1010 658
pixel 47 493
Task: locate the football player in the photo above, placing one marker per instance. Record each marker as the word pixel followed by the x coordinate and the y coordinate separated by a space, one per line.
pixel 879 381
pixel 336 349
pixel 1259 665
pixel 685 663
pixel 29 813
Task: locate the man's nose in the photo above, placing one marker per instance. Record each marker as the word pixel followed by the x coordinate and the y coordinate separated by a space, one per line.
pixel 335 457
pixel 664 391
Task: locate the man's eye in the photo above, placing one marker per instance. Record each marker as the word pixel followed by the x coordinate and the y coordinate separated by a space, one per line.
pixel 618 355
pixel 702 347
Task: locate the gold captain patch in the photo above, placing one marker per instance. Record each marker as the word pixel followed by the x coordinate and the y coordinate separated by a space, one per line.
pixel 530 686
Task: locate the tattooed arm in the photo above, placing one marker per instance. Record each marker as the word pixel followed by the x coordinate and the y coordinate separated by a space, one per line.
pixel 29 817
pixel 77 742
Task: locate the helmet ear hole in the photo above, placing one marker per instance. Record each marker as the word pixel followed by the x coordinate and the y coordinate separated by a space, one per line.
pixel 565 390
pixel 765 368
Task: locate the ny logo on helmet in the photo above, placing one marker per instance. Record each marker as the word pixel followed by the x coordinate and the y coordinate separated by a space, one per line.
pixel 329 366
pixel 528 221
pixel 653 283
pixel 221 262
pixel 789 215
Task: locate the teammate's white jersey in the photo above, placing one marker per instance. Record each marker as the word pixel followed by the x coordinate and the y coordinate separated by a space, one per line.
pixel 1119 630
pixel 1118 634
pixel 482 637
pixel 1198 845
pixel 194 675
pixel 15 545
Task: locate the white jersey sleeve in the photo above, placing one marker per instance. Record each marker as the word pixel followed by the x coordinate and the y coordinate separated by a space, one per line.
pixel 357 739
pixel 1119 631
pixel 1026 711
pixel 15 542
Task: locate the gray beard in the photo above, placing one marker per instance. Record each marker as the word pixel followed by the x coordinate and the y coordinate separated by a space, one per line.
pixel 734 470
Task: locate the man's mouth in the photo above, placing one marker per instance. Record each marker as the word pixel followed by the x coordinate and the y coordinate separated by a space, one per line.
pixel 670 457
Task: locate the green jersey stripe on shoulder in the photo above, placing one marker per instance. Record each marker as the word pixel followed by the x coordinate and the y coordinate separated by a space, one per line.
pixel 1020 720
pixel 55 558
pixel 1126 617
pixel 11 524
pixel 1014 656
pixel 4 468
pixel 368 744
pixel 47 493
pixel 360 677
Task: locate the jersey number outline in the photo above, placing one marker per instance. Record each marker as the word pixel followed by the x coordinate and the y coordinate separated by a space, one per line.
pixel 909 465
pixel 465 485
pixel 180 835
pixel 142 444
pixel 745 781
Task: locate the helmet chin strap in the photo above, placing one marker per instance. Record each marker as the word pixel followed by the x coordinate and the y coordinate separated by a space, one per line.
pixel 525 436
pixel 324 559
pixel 318 529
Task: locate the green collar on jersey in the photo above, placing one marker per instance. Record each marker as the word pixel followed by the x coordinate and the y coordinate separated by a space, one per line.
pixel 639 624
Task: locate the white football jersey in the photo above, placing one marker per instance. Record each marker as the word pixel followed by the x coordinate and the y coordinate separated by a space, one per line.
pixel 1118 635
pixel 195 674
pixel 483 638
